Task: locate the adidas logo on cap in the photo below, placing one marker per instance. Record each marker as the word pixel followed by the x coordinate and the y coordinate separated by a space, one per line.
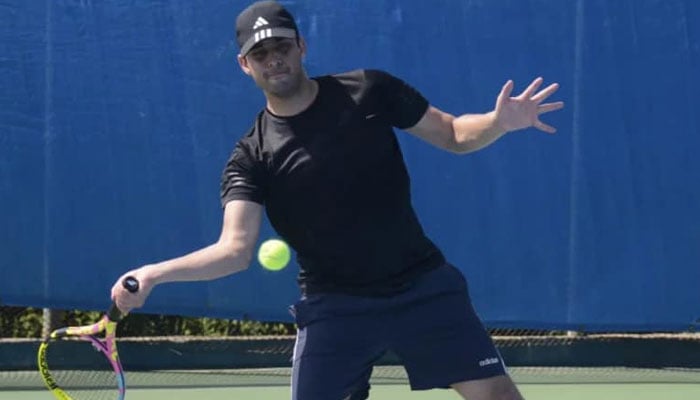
pixel 260 22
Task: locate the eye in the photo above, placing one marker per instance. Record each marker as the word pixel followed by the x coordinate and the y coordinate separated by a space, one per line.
pixel 258 55
pixel 283 47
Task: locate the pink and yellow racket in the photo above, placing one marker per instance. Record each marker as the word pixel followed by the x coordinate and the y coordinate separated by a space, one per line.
pixel 72 370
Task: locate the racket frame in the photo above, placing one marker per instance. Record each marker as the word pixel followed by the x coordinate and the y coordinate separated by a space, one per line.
pixel 107 346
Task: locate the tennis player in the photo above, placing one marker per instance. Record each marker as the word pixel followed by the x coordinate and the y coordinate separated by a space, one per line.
pixel 323 160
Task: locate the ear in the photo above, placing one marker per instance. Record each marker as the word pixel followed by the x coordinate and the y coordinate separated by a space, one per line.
pixel 302 46
pixel 243 63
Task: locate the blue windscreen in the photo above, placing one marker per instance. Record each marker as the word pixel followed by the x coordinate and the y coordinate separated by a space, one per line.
pixel 116 120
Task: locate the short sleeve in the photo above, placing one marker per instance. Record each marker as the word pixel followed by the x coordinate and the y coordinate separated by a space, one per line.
pixel 403 104
pixel 244 177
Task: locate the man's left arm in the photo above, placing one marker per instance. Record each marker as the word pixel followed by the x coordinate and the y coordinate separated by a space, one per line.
pixel 471 132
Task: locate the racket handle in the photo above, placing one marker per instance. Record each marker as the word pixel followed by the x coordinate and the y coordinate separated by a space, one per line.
pixel 132 285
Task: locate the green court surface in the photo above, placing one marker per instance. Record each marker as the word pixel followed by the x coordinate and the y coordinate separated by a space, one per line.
pixel 388 383
pixel 639 391
pixel 20 380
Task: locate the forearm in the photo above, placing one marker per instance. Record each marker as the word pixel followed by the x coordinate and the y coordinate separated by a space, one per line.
pixel 212 262
pixel 475 131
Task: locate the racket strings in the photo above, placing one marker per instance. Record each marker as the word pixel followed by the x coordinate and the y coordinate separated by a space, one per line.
pixel 81 370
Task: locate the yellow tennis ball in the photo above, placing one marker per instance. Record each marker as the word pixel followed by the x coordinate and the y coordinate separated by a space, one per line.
pixel 274 254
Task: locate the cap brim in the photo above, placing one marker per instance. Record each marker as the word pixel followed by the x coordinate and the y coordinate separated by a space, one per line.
pixel 267 33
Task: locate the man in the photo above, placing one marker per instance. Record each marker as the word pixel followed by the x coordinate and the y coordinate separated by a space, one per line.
pixel 323 160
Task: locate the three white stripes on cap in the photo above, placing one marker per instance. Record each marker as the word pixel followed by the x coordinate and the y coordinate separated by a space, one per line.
pixel 265 33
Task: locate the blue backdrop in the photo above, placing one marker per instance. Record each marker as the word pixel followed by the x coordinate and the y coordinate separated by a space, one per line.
pixel 116 119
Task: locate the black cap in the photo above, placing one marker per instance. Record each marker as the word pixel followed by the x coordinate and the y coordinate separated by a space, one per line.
pixel 263 20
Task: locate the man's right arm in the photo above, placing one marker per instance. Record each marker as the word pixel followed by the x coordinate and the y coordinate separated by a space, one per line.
pixel 232 253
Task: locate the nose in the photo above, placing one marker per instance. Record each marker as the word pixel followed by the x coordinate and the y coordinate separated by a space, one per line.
pixel 275 62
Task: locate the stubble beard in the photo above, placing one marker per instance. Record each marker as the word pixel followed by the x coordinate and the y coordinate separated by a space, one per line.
pixel 286 88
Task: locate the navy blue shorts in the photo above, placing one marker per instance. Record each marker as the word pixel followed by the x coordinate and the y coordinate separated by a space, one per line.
pixel 432 327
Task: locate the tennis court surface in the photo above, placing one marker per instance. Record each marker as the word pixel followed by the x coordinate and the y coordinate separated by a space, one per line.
pixel 546 367
pixel 580 384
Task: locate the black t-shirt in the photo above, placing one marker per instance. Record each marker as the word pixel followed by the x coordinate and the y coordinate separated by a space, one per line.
pixel 335 186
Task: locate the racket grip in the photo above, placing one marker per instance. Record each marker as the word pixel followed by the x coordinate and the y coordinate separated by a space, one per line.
pixel 132 285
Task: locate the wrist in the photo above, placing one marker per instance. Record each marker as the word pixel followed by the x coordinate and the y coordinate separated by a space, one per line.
pixel 495 124
pixel 150 275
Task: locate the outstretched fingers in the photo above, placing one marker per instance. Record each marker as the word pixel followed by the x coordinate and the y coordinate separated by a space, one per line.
pixel 505 92
pixel 546 92
pixel 544 127
pixel 530 90
pixel 547 107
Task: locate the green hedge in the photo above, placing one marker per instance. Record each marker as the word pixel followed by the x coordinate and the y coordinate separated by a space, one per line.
pixel 19 322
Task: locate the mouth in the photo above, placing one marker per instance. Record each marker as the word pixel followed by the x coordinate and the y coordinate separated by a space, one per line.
pixel 277 74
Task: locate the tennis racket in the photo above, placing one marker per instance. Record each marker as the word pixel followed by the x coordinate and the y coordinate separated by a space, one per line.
pixel 73 370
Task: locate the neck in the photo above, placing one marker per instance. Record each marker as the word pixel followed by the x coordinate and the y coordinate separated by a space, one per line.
pixel 296 103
